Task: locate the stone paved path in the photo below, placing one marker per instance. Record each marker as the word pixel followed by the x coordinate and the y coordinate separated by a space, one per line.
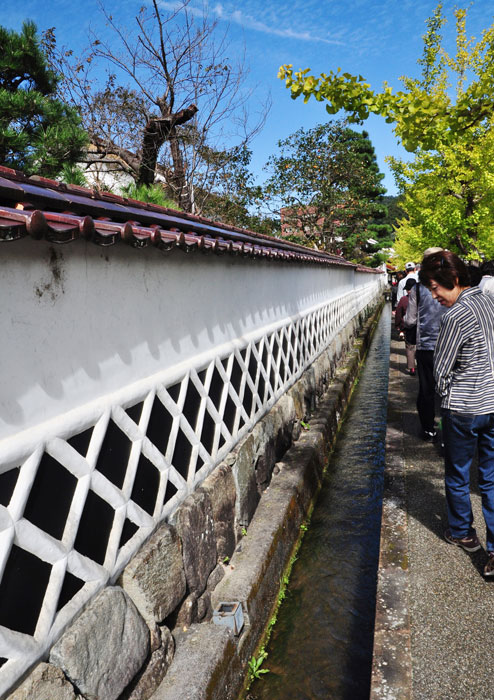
pixel 435 617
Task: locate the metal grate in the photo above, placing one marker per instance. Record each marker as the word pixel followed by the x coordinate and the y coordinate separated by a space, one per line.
pixel 75 509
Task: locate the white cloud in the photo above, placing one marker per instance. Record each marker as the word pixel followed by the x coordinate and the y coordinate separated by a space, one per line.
pixel 249 22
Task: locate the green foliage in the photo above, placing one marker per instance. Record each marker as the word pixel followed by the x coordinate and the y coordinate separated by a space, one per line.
pixel 425 114
pixel 153 194
pixel 73 175
pixel 394 211
pixel 254 664
pixel 327 184
pixel 448 199
pixel 446 118
pixel 38 133
pixel 255 670
pixel 233 198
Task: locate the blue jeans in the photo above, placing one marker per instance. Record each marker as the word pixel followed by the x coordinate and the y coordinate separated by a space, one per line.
pixel 462 433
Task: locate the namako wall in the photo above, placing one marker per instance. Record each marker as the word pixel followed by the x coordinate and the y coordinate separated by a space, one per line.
pixel 136 359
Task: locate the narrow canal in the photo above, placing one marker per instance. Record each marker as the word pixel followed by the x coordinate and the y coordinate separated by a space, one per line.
pixel 321 646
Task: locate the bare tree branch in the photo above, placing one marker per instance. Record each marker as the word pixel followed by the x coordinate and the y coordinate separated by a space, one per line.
pixel 174 93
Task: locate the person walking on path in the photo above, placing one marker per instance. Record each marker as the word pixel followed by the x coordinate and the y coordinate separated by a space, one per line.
pixel 486 284
pixel 464 374
pixel 409 334
pixel 425 314
pixel 410 269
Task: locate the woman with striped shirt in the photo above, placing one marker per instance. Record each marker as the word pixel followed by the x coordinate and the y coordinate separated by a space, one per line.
pixel 464 374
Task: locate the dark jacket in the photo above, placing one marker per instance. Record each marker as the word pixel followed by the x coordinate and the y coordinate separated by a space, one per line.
pixel 429 316
pixel 400 312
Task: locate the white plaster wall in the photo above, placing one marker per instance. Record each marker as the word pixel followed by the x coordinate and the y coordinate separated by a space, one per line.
pixel 79 321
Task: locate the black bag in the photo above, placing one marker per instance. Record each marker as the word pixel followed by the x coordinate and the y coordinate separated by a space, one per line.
pixel 411 335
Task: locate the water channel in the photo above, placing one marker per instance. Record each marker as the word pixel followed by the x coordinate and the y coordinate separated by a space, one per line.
pixel 321 646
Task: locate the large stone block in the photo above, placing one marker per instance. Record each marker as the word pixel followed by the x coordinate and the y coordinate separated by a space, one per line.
pixel 215 577
pixel 204 609
pixel 105 647
pixel 144 685
pixel 195 526
pixel 297 394
pixel 254 577
pixel 264 465
pixel 245 480
pixel 220 486
pixel 155 578
pixel 186 613
pixel 46 682
pixel 204 666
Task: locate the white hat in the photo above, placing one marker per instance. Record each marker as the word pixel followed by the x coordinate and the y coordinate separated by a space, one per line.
pixel 410 266
pixel 431 251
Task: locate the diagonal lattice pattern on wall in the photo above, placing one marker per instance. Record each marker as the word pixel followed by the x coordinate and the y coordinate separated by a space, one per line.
pixel 75 509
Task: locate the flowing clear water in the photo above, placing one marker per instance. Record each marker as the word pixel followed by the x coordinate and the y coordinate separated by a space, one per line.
pixel 321 646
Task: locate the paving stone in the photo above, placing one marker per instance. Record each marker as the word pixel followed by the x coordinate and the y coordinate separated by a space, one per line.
pixel 155 578
pixel 105 647
pixel 46 682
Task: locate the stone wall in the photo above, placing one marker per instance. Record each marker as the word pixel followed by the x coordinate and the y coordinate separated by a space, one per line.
pixel 152 619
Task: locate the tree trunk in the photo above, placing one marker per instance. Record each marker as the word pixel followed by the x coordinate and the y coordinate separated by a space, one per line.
pixel 156 132
pixel 179 181
pixel 471 228
pixel 107 147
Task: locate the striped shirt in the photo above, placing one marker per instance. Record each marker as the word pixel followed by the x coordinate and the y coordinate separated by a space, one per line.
pixel 464 355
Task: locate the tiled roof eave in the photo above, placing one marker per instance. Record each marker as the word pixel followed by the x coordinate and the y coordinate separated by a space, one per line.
pixel 59 213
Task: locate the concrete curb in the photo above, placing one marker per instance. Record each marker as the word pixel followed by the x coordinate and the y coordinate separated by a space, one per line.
pixel 392 660
pixel 210 662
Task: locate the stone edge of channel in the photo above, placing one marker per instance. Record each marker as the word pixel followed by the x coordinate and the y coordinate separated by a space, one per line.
pixel 392 662
pixel 204 669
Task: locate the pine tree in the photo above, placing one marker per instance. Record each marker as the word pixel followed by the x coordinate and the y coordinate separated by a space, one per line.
pixel 38 133
pixel 327 185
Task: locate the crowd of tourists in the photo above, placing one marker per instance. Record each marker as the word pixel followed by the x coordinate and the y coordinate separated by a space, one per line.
pixel 444 311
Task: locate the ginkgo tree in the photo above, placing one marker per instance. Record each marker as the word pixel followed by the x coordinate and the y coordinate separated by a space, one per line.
pixel 448 200
pixel 446 118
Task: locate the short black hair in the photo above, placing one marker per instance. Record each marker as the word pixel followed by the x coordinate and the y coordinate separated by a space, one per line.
pixel 475 274
pixel 487 268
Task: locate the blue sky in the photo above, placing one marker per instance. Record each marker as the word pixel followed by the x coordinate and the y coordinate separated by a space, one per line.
pixel 380 39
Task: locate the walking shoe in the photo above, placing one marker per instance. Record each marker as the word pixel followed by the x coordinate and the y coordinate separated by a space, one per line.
pixel 470 543
pixel 489 567
pixel 412 372
pixel 429 435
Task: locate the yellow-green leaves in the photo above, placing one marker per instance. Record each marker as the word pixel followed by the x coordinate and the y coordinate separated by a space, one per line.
pixel 423 113
pixel 446 118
